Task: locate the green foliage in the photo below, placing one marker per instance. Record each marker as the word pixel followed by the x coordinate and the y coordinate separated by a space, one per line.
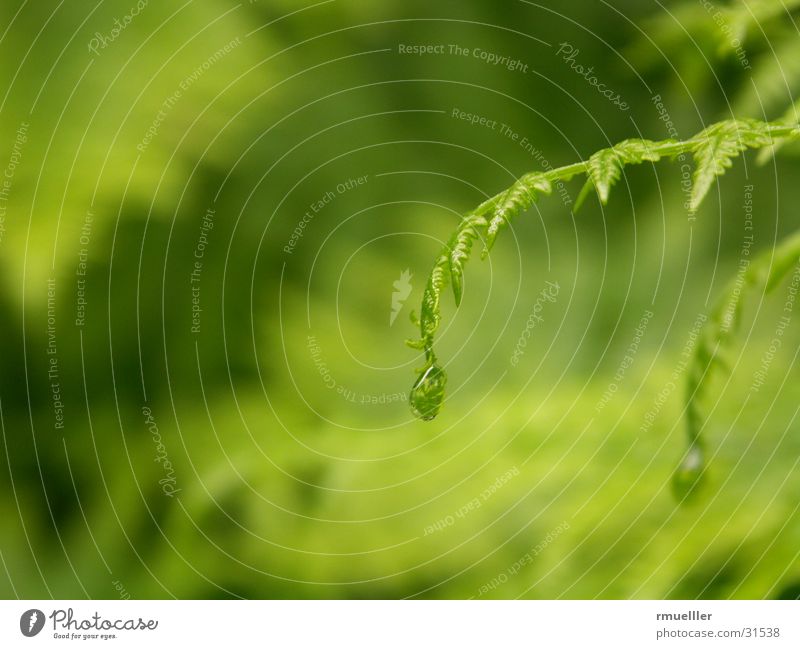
pixel 713 150
pixel 760 278
pixel 759 36
pixel 773 77
pixel 289 488
pixel 748 17
pixel 723 26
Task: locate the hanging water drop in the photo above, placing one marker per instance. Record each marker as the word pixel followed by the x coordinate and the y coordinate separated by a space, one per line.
pixel 427 393
pixel 688 476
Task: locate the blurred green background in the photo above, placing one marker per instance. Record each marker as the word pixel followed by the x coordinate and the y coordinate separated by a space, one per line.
pixel 263 446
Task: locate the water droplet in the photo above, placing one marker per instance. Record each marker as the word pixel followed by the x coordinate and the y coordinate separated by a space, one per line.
pixel 689 475
pixel 427 394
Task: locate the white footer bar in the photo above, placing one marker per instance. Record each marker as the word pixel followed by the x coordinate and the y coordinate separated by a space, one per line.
pixel 416 624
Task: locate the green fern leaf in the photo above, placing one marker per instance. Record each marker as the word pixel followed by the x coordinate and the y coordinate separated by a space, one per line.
pixel 460 246
pixel 716 148
pixel 605 167
pixel 604 171
pixel 636 150
pixel 518 198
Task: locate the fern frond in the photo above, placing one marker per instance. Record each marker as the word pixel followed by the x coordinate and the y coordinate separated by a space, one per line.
pixel 713 345
pixel 713 149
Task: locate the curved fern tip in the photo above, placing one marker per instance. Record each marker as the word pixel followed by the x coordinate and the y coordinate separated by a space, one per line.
pixel 427 393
